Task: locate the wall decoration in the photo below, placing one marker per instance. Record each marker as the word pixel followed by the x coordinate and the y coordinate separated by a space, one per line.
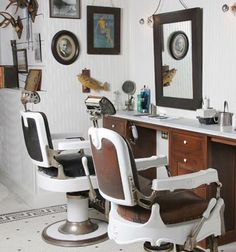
pixel 64 9
pixel 91 83
pixel 22 63
pixel 37 48
pixel 103 30
pixel 85 89
pixel 65 47
pixel 9 19
pixel 31 6
pixel 178 45
pixel 33 80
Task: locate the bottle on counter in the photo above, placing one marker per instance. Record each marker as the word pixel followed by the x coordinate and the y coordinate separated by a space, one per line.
pixel 139 109
pixel 145 99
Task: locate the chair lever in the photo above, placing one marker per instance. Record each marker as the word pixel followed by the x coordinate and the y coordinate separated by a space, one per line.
pixel 191 241
pixel 92 193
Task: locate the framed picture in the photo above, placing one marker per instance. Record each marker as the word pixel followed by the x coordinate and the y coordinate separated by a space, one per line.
pixel 103 30
pixel 33 80
pixel 178 45
pixel 65 47
pixel 37 48
pixel 64 8
pixel 21 59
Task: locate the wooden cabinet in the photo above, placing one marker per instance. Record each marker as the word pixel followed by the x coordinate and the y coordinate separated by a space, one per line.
pixel 144 146
pixel 222 156
pixel 118 125
pixel 188 153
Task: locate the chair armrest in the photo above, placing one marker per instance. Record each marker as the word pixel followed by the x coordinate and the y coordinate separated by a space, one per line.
pixel 66 135
pixel 186 181
pixel 73 145
pixel 153 161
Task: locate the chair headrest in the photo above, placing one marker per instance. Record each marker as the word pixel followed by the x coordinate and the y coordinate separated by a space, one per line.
pixel 99 105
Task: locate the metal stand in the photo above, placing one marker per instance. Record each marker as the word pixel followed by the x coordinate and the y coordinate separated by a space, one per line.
pixel 78 229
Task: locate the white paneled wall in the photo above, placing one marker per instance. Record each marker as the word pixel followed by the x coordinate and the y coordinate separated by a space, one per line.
pixel 62 98
pixel 219 54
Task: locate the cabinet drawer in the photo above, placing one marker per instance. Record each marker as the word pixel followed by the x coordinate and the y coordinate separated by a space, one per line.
pixel 117 125
pixel 184 142
pixel 189 161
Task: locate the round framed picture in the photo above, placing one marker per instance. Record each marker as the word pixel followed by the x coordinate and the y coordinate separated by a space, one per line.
pixel 65 47
pixel 178 45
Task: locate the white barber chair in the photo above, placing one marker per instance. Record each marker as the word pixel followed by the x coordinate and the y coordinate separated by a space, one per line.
pixel 63 172
pixel 163 213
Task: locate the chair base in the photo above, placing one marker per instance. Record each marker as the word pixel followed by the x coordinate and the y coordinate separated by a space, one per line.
pixel 167 247
pixel 52 234
pixel 180 248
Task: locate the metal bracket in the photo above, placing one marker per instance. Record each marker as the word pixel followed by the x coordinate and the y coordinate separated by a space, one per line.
pixel 53 162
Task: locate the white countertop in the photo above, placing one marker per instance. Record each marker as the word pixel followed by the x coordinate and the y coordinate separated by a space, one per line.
pixel 181 123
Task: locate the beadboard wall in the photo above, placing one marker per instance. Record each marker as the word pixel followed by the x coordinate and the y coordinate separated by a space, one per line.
pixel 219 53
pixel 62 97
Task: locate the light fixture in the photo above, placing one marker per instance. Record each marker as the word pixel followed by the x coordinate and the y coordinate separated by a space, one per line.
pixel 149 20
pixel 232 8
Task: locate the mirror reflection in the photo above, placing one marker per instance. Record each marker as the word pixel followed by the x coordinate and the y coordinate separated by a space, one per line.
pixel 177 60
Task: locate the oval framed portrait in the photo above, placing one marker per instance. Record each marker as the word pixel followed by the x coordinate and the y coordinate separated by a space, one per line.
pixel 178 45
pixel 65 47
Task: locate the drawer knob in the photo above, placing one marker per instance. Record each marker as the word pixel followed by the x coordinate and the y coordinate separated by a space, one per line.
pixel 185 142
pixel 113 126
pixel 185 160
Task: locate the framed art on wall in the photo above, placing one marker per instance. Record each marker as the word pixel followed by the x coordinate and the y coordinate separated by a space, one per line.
pixel 22 62
pixel 103 30
pixel 64 8
pixel 65 47
pixel 33 80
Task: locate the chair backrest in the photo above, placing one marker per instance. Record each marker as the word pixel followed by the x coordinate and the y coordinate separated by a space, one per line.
pixel 37 137
pixel 114 165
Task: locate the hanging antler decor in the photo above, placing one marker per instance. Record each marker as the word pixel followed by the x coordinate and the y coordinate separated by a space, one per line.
pixel 9 19
pixel 31 5
pixel 32 8
pixel 18 3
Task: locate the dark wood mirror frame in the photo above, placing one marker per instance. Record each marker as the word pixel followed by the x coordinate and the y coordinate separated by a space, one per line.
pixel 195 16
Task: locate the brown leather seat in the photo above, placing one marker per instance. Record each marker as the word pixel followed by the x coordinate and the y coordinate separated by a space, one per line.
pixel 175 207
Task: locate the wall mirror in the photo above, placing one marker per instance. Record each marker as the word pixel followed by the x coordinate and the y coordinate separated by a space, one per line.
pixel 178 58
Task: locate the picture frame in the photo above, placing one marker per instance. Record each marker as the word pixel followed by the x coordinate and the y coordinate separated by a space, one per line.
pixel 178 45
pixel 37 48
pixel 103 30
pixel 65 47
pixel 33 80
pixel 64 9
pixel 21 60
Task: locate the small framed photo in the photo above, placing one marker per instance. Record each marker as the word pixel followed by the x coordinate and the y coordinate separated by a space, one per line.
pixel 103 30
pixel 64 9
pixel 65 47
pixel 21 60
pixel 37 48
pixel 178 45
pixel 33 80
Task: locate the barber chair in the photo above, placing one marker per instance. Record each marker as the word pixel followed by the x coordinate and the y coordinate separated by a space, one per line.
pixel 60 171
pixel 164 213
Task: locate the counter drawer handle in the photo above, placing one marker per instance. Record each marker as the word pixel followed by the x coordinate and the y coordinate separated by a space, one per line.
pixel 185 142
pixel 113 126
pixel 185 160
